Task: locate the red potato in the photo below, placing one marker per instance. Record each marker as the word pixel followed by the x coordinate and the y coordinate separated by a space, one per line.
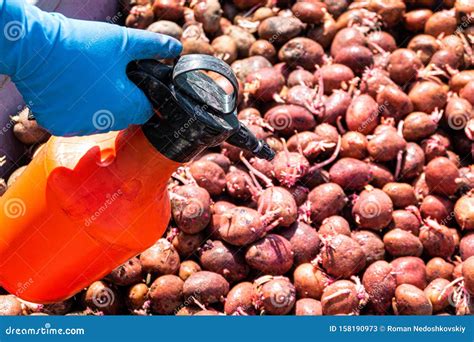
pixel 425 46
pixel 286 119
pixel 466 246
pixel 468 274
pixel 161 258
pixel 441 175
pixel 342 297
pixel 380 284
pixel 241 299
pixel 334 75
pixel 412 162
pixel 205 287
pixel 263 48
pixel 308 307
pixel 270 255
pixel 264 84
pixel 439 294
pixel 345 37
pixel 334 225
pixel 335 106
pixel 403 66
pixel 310 143
pixel 303 52
pixel 385 145
pixel 10 306
pixel 415 20
pixel 326 200
pixel 426 96
pixel 467 92
pixel 356 57
pixel 380 175
pixel 239 226
pixel 363 114
pixel 373 80
pixel 126 274
pixel 136 298
pixel 187 244
pixel 219 159
pixel 191 208
pixel 103 298
pixel 371 244
pixel 244 67
pixel 407 220
pixel 401 194
pixel 209 176
pixel 279 29
pixel 166 27
pixel 410 270
pixel 341 256
pixel 276 295
pixel 225 260
pixel 187 268
pixel 439 268
pixel 419 125
pixel 304 241
pixel 289 167
pixel 168 9
pixel 208 13
pixel 244 41
pixel 373 209
pixel 350 173
pixel 225 48
pixel 393 102
pixel 278 203
pixel 309 12
pixel 400 243
pixel 410 300
pixel 441 22
pixel 383 39
pixel 354 145
pixel 300 77
pixel 438 240
pixel 464 212
pixel 309 281
pixel 238 183
pixel 436 207
pixel 166 294
pixel 140 17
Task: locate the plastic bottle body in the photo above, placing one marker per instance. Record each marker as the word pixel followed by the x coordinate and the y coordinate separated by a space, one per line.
pixel 82 207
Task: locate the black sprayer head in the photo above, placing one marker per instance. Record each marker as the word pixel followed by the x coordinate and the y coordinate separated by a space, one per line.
pixel 194 112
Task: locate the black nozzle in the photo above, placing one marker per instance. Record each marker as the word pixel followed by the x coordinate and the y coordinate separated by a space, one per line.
pixel 246 140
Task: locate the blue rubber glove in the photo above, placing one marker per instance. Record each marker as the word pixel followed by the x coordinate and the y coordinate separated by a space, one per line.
pixel 72 73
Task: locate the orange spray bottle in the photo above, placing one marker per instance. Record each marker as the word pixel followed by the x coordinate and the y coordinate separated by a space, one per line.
pixel 84 205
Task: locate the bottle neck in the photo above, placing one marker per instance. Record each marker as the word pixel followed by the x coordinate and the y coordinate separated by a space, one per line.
pixel 138 154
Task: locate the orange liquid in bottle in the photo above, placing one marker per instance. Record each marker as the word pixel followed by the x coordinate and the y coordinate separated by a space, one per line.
pixel 83 206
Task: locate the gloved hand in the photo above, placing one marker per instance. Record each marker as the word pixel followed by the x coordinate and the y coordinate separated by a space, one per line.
pixel 72 73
